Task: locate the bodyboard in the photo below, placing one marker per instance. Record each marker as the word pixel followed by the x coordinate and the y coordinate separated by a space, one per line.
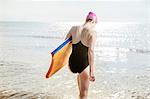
pixel 60 57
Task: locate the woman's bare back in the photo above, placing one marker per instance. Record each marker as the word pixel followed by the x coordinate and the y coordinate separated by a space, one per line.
pixel 81 33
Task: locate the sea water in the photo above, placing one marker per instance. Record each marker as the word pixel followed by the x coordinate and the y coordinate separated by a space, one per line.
pixel 122 66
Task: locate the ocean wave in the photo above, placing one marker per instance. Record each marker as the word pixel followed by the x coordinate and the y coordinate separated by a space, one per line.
pixel 140 51
pixel 34 36
pixel 122 50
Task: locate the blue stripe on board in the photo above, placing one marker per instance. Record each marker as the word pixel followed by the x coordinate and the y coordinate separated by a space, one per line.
pixel 61 46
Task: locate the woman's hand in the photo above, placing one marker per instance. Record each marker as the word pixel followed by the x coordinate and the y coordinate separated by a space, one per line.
pixel 92 77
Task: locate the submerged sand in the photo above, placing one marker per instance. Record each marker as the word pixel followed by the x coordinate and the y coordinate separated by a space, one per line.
pixel 12 94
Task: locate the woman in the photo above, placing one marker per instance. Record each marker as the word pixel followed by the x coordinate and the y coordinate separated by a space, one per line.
pixel 83 41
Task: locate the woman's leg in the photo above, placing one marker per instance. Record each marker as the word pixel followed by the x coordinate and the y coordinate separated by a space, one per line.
pixel 79 83
pixel 84 84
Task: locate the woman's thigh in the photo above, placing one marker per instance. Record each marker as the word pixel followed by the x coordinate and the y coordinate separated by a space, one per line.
pixel 84 79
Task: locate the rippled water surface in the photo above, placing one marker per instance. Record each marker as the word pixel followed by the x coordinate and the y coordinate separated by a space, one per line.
pixel 122 64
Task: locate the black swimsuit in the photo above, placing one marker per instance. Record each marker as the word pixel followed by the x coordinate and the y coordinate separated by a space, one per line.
pixel 78 59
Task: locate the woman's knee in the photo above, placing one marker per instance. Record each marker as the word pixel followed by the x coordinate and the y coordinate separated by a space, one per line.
pixel 84 93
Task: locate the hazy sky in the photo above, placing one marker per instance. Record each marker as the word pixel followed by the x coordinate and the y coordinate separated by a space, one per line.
pixel 74 10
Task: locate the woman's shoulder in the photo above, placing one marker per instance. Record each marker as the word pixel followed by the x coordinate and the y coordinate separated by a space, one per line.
pixel 75 26
pixel 92 32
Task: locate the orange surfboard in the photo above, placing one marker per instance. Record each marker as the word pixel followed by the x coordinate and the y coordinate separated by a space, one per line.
pixel 60 57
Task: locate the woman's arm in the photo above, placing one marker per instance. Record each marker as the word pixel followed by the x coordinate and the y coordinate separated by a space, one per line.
pixel 68 35
pixel 70 31
pixel 91 54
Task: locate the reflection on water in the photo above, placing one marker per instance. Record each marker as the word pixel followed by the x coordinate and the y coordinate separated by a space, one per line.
pixel 122 65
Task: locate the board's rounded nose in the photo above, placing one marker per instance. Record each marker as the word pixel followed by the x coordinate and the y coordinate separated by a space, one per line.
pixel 47 76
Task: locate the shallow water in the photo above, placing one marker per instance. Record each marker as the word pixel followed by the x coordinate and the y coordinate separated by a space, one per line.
pixel 122 64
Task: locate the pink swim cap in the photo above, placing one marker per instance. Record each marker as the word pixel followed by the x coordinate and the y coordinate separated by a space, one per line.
pixel 91 16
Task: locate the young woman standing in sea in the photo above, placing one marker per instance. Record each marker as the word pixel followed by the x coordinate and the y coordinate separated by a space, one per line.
pixel 82 56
